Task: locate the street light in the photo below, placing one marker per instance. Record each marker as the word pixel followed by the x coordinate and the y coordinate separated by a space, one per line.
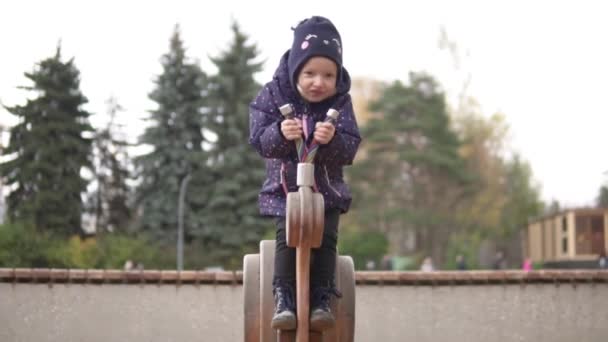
pixel 180 222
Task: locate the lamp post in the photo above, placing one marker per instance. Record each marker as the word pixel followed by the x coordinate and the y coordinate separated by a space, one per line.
pixel 180 222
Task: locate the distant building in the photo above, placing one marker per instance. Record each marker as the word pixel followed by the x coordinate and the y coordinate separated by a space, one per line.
pixel 569 238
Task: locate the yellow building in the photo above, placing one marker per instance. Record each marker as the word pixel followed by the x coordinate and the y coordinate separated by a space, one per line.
pixel 575 236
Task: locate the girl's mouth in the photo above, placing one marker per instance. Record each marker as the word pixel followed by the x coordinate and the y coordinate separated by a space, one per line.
pixel 316 93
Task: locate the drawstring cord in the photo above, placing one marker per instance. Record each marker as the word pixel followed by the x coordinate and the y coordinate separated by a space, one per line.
pixel 306 154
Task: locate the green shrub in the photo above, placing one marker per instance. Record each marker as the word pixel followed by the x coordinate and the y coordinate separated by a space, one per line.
pixel 22 246
pixel 363 247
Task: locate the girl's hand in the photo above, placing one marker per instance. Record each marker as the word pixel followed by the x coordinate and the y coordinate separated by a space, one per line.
pixel 324 132
pixel 292 129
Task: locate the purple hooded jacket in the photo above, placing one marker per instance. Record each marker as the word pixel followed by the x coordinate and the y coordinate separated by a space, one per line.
pixel 280 154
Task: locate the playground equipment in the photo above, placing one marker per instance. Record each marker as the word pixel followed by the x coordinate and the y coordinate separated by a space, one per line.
pixel 304 230
pixel 259 301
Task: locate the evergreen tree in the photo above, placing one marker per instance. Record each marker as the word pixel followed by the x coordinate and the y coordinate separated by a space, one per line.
pixel 522 203
pixel 412 177
pixel 2 205
pixel 553 207
pixel 49 148
pixel 234 224
pixel 602 197
pixel 112 194
pixel 523 197
pixel 175 135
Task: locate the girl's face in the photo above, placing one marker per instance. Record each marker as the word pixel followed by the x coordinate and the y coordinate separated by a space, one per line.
pixel 317 79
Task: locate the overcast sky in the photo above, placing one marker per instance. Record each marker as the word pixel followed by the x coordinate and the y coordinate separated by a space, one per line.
pixel 544 64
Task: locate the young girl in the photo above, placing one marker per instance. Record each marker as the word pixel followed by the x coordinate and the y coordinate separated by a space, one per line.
pixel 311 79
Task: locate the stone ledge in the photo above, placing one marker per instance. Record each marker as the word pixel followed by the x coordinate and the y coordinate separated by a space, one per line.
pixel 481 277
pixel 96 276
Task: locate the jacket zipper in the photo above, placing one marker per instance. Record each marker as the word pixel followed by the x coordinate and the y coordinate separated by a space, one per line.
pixel 329 183
pixel 283 178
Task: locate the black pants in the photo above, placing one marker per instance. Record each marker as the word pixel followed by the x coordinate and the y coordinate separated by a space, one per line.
pixel 323 259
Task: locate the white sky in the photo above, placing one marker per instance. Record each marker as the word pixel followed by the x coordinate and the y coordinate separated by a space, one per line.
pixel 544 64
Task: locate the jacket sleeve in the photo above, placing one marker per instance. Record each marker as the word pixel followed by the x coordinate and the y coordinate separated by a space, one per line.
pixel 343 146
pixel 265 128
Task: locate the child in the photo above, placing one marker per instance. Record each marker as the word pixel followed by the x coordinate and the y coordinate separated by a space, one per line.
pixel 310 78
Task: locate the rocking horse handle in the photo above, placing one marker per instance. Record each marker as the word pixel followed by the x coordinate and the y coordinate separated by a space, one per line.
pixel 287 111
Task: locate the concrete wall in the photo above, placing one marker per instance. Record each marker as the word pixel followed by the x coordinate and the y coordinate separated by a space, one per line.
pixel 120 313
pixel 150 313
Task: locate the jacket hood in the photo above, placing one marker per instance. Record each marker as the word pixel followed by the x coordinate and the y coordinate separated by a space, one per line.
pixel 283 78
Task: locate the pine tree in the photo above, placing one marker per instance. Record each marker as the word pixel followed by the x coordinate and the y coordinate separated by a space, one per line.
pixel 234 225
pixel 602 197
pixel 112 194
pixel 49 149
pixel 522 202
pixel 412 176
pixel 2 204
pixel 175 135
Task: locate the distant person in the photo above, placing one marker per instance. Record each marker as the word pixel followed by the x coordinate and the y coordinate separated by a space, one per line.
pixel 499 262
pixel 427 265
pixel 602 261
pixel 527 265
pixel 370 265
pixel 128 265
pixel 387 263
pixel 310 80
pixel 461 264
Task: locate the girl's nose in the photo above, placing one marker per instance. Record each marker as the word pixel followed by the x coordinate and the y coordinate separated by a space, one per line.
pixel 317 81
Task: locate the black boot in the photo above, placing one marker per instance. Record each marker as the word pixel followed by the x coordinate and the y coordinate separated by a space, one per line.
pixel 321 317
pixel 285 307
